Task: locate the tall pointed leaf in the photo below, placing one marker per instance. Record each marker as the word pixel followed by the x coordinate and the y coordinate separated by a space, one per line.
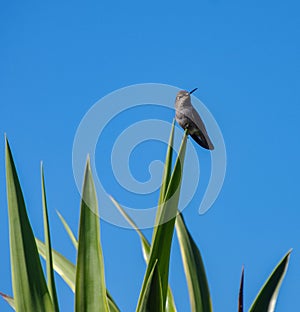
pixel 267 297
pixel 152 298
pixel 200 299
pixel 90 292
pixel 170 304
pixel 49 263
pixel 29 285
pixel 166 176
pixel 241 293
pixel 161 246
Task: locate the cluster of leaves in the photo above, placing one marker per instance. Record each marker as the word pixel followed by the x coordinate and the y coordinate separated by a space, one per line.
pixel 86 279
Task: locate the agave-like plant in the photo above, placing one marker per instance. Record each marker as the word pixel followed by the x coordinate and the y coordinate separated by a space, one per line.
pixel 33 292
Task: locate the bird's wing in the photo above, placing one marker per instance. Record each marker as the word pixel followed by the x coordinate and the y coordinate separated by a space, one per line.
pixel 201 137
pixel 201 142
pixel 196 119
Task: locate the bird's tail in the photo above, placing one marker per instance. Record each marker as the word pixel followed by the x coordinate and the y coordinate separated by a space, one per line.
pixel 203 141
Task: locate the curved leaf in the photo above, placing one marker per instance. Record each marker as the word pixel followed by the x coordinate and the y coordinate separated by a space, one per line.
pixel 267 296
pixel 68 230
pixel 200 299
pixel 65 268
pixel 29 285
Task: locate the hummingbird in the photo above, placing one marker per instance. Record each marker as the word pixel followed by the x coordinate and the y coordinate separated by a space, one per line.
pixel 188 118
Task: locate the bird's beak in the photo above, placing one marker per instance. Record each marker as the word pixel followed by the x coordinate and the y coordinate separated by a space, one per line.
pixel 193 90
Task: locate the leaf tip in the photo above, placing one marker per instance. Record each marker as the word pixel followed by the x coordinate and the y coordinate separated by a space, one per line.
pixel 6 141
pixel 288 254
pixel 8 153
pixel 88 164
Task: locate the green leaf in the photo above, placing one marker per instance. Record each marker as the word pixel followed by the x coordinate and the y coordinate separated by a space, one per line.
pixel 68 230
pixel 170 305
pixel 29 285
pixel 241 293
pixel 8 299
pixel 49 263
pixel 267 296
pixel 111 303
pixel 161 246
pixel 152 298
pixel 65 268
pixel 166 177
pixel 144 242
pixel 90 291
pixel 170 302
pixel 200 299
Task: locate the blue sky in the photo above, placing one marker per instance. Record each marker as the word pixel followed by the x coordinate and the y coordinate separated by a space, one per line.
pixel 57 59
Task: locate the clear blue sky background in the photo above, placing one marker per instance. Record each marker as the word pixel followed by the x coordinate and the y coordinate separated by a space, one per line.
pixel 57 59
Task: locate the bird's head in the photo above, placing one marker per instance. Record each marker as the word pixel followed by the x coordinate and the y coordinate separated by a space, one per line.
pixel 183 98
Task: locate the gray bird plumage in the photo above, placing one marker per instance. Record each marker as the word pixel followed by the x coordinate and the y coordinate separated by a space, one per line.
pixel 188 118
